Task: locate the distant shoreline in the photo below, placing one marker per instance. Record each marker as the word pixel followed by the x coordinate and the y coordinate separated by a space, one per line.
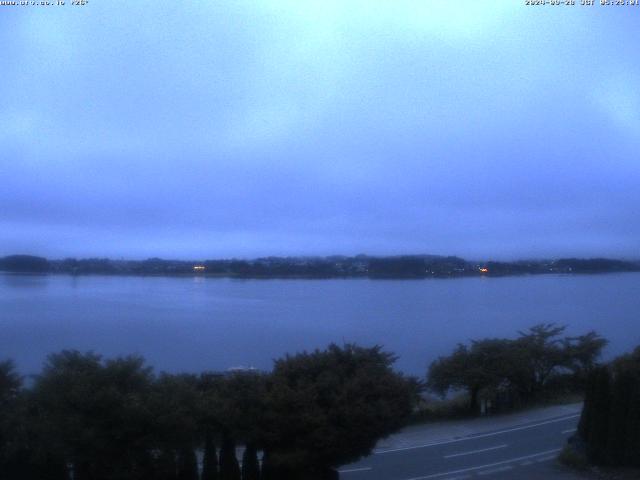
pixel 405 267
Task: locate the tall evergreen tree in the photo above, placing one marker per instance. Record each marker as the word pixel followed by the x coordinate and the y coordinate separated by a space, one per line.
pixel 210 459
pixel 619 412
pixel 48 468
pixel 266 469
pixel 250 465
pixel 584 425
pixel 229 468
pixel 187 464
pixel 610 421
pixel 11 456
pixel 167 465
pixel 598 429
pixel 632 448
pixel 625 429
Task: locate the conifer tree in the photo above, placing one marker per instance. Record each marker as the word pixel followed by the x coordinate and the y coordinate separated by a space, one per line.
pixel 618 418
pixel 266 469
pixel 250 466
pixel 210 459
pixel 584 425
pixel 599 422
pixel 626 411
pixel 632 448
pixel 187 464
pixel 229 468
pixel 167 465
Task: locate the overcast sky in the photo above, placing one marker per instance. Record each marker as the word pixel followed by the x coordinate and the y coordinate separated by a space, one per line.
pixel 201 129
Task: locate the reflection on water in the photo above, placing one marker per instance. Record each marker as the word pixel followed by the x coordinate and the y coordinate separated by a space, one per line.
pixel 199 323
pixel 23 280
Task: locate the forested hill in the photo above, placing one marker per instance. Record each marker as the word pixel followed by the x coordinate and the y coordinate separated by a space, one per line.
pixel 407 266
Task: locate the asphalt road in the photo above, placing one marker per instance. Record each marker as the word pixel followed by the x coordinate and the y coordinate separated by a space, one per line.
pixel 525 451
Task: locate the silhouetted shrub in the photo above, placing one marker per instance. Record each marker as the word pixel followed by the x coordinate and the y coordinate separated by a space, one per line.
pixel 610 421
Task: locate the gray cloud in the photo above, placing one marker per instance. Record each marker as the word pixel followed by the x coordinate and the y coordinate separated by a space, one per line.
pixel 253 129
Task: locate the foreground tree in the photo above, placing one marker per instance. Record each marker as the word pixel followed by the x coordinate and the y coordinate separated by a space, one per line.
pixel 174 403
pixel 12 452
pixel 250 464
pixel 520 368
pixel 94 414
pixel 582 353
pixel 88 418
pixel 229 467
pixel 235 405
pixel 482 365
pixel 536 354
pixel 330 407
pixel 610 421
pixel 187 464
pixel 209 459
pixel 598 427
pixel 10 384
pixel 627 387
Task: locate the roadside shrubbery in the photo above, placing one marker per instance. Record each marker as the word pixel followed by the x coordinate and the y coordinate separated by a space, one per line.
pixel 573 458
pixel 610 421
pixel 88 418
pixel 499 373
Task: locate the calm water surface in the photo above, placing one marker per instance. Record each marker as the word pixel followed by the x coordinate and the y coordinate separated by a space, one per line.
pixel 195 324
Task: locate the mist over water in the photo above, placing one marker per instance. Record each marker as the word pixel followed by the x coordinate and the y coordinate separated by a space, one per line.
pixel 195 324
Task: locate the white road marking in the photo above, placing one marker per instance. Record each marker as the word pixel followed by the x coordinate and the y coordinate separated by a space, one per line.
pixel 461 477
pixel 489 465
pixel 545 459
pixel 476 451
pixel 495 470
pixel 474 437
pixel 571 430
pixel 351 470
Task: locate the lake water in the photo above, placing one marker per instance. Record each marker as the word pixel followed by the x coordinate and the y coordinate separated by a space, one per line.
pixel 194 324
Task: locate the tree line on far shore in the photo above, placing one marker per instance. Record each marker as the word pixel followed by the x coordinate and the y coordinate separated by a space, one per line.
pixel 337 266
pixel 88 418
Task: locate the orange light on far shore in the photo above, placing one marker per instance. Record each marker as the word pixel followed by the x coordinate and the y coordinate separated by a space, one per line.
pixel 484 270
